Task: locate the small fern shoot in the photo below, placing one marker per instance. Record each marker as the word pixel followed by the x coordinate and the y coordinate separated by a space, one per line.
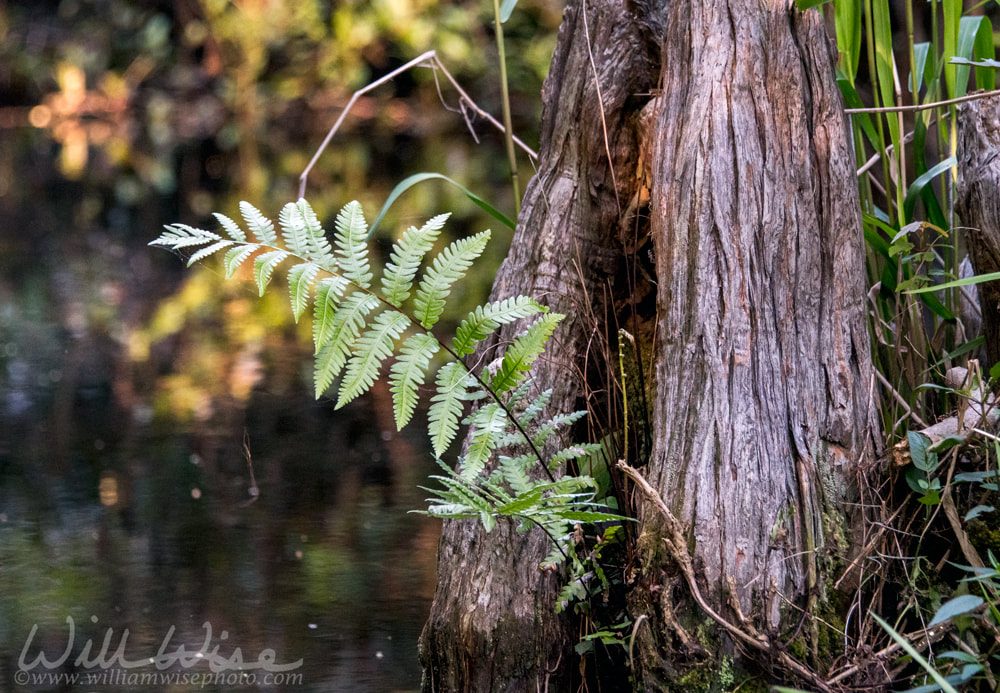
pixel 359 329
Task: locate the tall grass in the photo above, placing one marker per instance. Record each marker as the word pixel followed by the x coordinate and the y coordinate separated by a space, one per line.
pixel 901 94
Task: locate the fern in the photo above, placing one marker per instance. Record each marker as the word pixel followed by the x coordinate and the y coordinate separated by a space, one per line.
pixel 484 320
pixel 352 245
pixel 372 348
pixel 408 373
pixel 448 267
pixel 358 330
pixel 260 226
pixel 406 258
pixel 522 353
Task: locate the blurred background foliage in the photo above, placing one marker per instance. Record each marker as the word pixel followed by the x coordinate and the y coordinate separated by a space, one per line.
pixel 129 385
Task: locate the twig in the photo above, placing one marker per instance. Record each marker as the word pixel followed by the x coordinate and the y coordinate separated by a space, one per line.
pixel 428 59
pixel 924 106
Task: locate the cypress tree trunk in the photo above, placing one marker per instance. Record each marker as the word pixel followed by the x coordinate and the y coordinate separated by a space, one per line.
pixel 762 413
pixel 762 404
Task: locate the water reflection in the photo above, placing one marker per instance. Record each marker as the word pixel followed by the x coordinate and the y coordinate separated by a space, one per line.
pixel 162 531
pixel 140 402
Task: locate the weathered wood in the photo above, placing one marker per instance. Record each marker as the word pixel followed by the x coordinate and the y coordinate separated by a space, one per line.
pixel 493 626
pixel 759 255
pixel 978 204
pixel 763 396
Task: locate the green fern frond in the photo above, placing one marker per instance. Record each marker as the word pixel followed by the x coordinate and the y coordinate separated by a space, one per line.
pixel 573 452
pixel 371 349
pixel 237 256
pixel 347 325
pixel 260 226
pixel 328 293
pixel 352 244
pixel 446 406
pixel 556 422
pixel 487 424
pixel 514 471
pixel 293 229
pixel 210 250
pixel 231 227
pixel 300 280
pixel 263 267
pixel 406 257
pixel 407 374
pixel 447 268
pixel 537 406
pixel 320 251
pixel 179 236
pixel 522 353
pixel 481 322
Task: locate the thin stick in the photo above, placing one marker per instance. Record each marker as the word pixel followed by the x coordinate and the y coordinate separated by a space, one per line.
pixel 505 103
pixel 428 59
pixel 924 106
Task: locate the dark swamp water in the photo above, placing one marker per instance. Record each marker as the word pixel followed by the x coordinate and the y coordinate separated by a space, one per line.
pixel 167 480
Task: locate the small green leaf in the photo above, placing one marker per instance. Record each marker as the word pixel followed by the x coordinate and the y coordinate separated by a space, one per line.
pixel 919 444
pixel 264 265
pixel 300 279
pixel 260 226
pixel 237 256
pixel 955 607
pixel 231 227
pixel 977 511
pixel 210 250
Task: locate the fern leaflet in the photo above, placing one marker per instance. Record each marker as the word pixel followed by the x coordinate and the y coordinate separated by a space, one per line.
pixel 481 322
pixel 352 244
pixel 487 424
pixel 293 230
pixel 231 227
pixel 406 257
pixel 210 250
pixel 236 256
pixel 447 268
pixel 260 226
pixel 320 251
pixel 407 374
pixel 263 267
pixel 328 293
pixel 372 348
pixel 523 352
pixel 446 406
pixel 347 325
pixel 300 279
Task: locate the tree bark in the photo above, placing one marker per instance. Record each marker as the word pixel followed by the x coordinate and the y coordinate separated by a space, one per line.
pixel 763 409
pixel 763 380
pixel 978 205
pixel 493 625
